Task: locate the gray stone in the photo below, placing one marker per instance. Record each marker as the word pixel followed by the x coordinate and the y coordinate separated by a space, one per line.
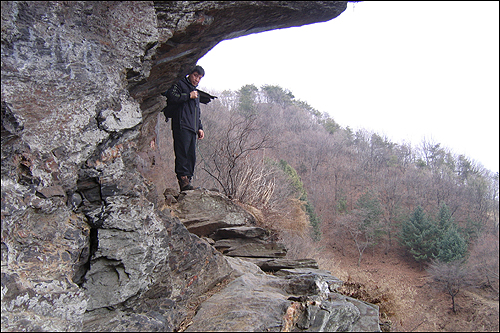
pixel 320 276
pixel 147 265
pixel 257 302
pixel 328 316
pixel 40 259
pixel 241 266
pixel 249 303
pixel 52 191
pixel 253 247
pixel 241 232
pixel 203 212
pixel 369 316
pixel 275 264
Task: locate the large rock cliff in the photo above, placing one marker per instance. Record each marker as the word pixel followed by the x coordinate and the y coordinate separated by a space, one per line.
pixel 87 242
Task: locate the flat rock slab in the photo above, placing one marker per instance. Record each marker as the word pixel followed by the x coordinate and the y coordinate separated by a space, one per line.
pixel 369 316
pixel 275 264
pixel 248 304
pixel 368 320
pixel 329 316
pixel 242 247
pixel 203 212
pixel 241 232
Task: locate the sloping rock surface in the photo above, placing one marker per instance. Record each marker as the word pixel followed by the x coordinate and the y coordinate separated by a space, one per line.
pixel 297 296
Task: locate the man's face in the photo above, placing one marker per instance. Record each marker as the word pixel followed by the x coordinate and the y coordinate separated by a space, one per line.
pixel 195 78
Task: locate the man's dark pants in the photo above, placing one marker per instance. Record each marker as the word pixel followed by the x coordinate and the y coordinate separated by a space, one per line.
pixel 185 152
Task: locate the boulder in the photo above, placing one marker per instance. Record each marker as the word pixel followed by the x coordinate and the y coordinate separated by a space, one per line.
pixel 329 316
pixel 203 212
pixel 249 303
pixel 322 280
pixel 241 232
pixel 256 302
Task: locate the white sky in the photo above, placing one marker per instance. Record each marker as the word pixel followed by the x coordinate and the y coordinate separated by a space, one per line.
pixel 409 70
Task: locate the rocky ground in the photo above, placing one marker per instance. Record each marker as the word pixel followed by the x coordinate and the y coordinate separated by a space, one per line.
pixel 267 291
pixel 414 303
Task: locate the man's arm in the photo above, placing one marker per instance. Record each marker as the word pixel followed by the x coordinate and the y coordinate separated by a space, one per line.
pixel 176 96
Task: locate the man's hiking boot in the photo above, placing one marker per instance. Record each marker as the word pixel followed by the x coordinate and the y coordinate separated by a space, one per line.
pixel 185 183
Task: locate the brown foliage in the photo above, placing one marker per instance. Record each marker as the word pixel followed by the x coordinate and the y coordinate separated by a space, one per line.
pixel 373 293
pixel 483 262
pixel 291 226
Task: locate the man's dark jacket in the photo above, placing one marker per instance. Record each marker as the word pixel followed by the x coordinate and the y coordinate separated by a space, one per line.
pixel 187 115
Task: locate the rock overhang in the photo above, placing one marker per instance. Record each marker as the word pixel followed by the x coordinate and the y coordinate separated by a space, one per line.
pixel 196 27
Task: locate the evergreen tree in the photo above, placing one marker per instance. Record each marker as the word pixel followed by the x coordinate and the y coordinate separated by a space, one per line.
pixel 471 230
pixel 444 218
pixel 314 221
pixel 418 234
pixel 277 95
pixel 342 204
pixel 247 95
pixel 329 124
pixel 366 228
pixel 452 246
pixel 294 179
pixel 426 239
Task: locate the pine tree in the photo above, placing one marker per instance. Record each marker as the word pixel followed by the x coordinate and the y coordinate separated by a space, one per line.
pixel 418 234
pixel 452 246
pixel 444 218
pixel 246 96
pixel 365 228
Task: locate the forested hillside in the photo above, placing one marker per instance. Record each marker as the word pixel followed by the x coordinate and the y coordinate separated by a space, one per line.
pixel 327 190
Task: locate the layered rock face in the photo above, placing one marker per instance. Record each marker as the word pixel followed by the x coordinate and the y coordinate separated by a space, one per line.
pixel 84 243
pixel 294 295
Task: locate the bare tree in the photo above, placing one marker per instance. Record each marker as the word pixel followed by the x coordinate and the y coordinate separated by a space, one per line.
pixel 391 194
pixel 483 262
pixel 227 155
pixel 363 234
pixel 449 277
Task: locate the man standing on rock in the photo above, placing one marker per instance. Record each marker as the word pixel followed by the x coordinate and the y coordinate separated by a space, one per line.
pixel 186 125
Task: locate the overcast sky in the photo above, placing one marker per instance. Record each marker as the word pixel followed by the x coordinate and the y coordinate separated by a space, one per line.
pixel 409 70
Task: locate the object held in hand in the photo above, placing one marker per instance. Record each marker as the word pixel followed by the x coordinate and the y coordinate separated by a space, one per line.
pixel 205 98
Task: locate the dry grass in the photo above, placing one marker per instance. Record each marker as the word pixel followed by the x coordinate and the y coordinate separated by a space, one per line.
pixel 372 292
pixel 288 219
pixel 366 285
